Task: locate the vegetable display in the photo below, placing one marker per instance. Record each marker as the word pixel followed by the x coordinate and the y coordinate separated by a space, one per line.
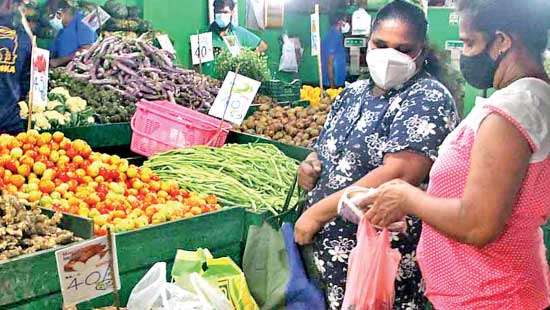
pixel 137 70
pixel 255 176
pixel 108 105
pixel 24 229
pixel 62 110
pixel 290 125
pixel 55 172
pixel 315 97
pixel 249 63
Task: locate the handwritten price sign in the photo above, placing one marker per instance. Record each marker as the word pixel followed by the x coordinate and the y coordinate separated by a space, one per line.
pixel 85 272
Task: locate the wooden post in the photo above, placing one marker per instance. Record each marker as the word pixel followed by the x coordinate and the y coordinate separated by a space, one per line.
pixel 30 99
pixel 116 295
pixel 319 64
pixel 199 47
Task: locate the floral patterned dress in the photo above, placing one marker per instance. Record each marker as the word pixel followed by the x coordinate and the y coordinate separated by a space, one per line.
pixel 359 131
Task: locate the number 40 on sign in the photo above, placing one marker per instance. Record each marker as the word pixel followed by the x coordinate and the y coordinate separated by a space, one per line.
pixel 201 47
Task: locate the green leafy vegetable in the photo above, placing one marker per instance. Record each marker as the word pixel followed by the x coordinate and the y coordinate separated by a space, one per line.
pixel 249 63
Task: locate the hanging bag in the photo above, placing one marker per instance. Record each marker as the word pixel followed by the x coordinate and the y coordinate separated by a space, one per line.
pixel 373 266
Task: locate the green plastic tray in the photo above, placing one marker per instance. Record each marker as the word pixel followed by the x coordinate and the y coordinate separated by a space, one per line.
pixel 32 276
pixel 296 152
pixel 102 135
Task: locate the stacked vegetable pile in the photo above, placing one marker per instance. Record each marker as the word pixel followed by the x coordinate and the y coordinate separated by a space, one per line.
pixel 247 63
pixel 109 106
pixel 125 18
pixel 24 229
pixel 256 176
pixel 53 171
pixel 315 96
pixel 290 125
pixel 137 70
pixel 62 110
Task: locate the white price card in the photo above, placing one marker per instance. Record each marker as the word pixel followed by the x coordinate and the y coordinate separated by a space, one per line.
pixel 315 35
pixel 84 270
pixel 96 18
pixel 166 44
pixel 39 76
pixel 235 103
pixel 201 48
pixel 233 45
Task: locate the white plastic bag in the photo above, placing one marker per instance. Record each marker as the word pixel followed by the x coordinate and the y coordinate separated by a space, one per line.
pixel 288 63
pixel 154 293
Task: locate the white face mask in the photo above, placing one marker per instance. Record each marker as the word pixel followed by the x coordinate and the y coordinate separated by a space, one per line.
pixel 346 28
pixel 389 68
pixel 56 24
pixel 222 19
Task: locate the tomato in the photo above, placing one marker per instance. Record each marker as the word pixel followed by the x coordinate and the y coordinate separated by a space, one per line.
pixel 24 170
pixel 46 186
pixel 63 177
pixel 72 153
pixel 11 165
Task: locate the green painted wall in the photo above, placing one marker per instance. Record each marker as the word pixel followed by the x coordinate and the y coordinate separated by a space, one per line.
pixel 182 18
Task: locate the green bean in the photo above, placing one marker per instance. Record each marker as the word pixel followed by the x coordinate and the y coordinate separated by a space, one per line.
pixel 256 176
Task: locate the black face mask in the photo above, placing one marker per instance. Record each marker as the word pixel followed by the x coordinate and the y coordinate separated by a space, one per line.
pixel 479 70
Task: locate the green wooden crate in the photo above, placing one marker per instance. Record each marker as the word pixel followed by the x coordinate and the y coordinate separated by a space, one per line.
pixel 222 232
pixel 33 276
pixel 102 135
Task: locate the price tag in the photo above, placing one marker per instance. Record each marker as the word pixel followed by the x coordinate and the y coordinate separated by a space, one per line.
pixel 233 105
pixel 84 270
pixel 96 19
pixel 166 43
pixel 233 44
pixel 39 76
pixel 201 48
pixel 315 36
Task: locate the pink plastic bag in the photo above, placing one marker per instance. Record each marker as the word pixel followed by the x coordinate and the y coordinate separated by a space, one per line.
pixel 373 266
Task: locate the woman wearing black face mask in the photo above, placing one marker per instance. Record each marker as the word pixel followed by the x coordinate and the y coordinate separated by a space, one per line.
pixel 481 245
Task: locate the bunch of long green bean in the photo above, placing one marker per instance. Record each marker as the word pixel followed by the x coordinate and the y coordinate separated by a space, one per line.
pixel 257 176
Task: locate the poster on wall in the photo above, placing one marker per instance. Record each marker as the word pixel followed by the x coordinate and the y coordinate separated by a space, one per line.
pixel 234 19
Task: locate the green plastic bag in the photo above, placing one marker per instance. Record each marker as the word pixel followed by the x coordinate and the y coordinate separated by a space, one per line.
pixel 221 272
pixel 265 266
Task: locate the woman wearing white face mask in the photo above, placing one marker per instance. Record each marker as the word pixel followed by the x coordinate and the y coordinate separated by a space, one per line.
pixel 379 129
pixel 226 33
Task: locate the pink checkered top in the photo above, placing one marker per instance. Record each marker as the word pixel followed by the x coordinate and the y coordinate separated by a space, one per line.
pixel 511 272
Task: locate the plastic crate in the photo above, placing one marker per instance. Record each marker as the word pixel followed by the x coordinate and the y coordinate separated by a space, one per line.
pixel 159 126
pixel 282 91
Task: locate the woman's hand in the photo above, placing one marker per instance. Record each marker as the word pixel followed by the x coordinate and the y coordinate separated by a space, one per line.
pixel 306 227
pixel 309 172
pixel 390 203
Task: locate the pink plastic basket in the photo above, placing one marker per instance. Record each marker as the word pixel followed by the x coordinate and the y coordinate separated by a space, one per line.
pixel 159 126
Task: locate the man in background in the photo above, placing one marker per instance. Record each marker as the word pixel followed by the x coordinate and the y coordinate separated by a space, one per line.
pixel 72 34
pixel 333 52
pixel 15 63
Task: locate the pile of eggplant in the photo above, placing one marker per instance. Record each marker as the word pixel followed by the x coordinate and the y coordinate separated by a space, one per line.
pixel 138 70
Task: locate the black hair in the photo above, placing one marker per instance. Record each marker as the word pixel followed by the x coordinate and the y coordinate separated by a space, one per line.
pixel 528 20
pixel 56 5
pixel 336 17
pixel 418 27
pixel 220 4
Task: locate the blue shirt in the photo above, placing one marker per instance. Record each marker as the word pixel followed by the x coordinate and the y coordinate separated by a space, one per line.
pixel 15 62
pixel 71 38
pixel 333 45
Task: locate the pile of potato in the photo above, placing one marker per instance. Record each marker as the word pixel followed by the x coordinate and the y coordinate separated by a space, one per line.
pixel 298 126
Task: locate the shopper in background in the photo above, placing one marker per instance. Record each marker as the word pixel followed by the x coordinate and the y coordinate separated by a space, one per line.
pixel 379 129
pixel 224 28
pixel 15 62
pixel 333 52
pixel 481 245
pixel 72 34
